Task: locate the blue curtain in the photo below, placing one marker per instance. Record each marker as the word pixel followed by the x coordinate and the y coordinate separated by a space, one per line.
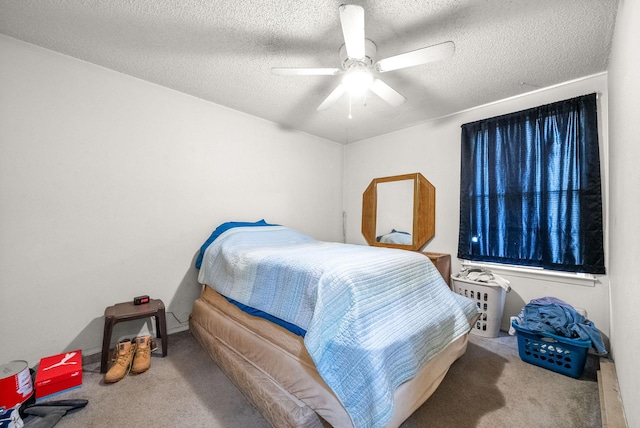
pixel 530 189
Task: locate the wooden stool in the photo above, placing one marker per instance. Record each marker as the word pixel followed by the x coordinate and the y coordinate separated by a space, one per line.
pixel 126 312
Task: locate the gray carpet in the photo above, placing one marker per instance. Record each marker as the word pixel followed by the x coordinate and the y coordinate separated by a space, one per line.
pixel 489 386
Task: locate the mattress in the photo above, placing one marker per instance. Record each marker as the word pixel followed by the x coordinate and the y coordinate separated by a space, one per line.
pixel 272 367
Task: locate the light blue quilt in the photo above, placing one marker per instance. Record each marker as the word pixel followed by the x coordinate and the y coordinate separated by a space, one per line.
pixel 374 316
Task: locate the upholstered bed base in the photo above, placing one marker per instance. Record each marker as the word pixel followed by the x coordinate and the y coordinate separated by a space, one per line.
pixel 272 368
pixel 278 407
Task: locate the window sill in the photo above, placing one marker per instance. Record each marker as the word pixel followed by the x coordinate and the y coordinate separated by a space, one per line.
pixel 584 279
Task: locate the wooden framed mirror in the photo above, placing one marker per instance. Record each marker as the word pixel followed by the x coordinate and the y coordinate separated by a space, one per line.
pixel 399 212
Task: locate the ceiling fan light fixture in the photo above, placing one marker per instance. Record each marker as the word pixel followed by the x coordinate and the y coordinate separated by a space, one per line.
pixel 357 80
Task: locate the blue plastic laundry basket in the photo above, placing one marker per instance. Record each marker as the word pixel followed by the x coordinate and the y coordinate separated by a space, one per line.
pixel 557 353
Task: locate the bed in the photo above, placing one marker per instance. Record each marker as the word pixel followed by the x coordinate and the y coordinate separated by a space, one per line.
pixel 326 334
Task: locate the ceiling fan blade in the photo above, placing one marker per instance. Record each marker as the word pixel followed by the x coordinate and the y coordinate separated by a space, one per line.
pixel 303 71
pixel 387 93
pixel 417 57
pixel 332 98
pixel 352 20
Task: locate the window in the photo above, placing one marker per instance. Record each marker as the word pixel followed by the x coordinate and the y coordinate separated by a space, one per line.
pixel 530 188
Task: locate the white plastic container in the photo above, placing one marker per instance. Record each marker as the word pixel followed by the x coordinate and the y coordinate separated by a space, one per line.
pixel 489 298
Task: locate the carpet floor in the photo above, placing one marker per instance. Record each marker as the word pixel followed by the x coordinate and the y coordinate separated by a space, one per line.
pixel 489 386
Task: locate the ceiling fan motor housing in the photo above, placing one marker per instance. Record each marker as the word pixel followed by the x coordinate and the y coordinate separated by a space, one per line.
pixel 370 50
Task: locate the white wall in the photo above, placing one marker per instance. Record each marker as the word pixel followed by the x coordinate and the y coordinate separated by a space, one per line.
pixel 110 184
pixel 624 113
pixel 433 149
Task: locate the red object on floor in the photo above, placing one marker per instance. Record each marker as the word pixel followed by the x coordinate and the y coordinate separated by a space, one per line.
pixel 58 373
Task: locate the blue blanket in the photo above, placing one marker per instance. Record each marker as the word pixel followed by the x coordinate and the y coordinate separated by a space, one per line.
pixel 373 316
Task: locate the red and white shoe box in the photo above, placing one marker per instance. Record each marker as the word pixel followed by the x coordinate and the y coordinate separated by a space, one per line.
pixel 58 373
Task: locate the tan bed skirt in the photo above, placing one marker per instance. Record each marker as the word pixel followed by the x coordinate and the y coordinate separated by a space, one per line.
pixel 272 367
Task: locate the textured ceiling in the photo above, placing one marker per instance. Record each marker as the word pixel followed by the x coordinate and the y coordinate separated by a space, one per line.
pixel 223 50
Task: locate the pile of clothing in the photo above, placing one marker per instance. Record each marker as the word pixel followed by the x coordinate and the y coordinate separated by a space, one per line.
pixel 552 315
pixel 478 274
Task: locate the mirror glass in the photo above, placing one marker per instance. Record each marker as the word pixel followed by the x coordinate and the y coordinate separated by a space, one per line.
pixel 394 209
pixel 399 212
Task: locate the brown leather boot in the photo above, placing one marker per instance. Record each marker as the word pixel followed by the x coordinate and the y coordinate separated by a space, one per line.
pixel 124 357
pixel 142 358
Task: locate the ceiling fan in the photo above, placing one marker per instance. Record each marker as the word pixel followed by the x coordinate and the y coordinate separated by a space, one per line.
pixel 358 65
